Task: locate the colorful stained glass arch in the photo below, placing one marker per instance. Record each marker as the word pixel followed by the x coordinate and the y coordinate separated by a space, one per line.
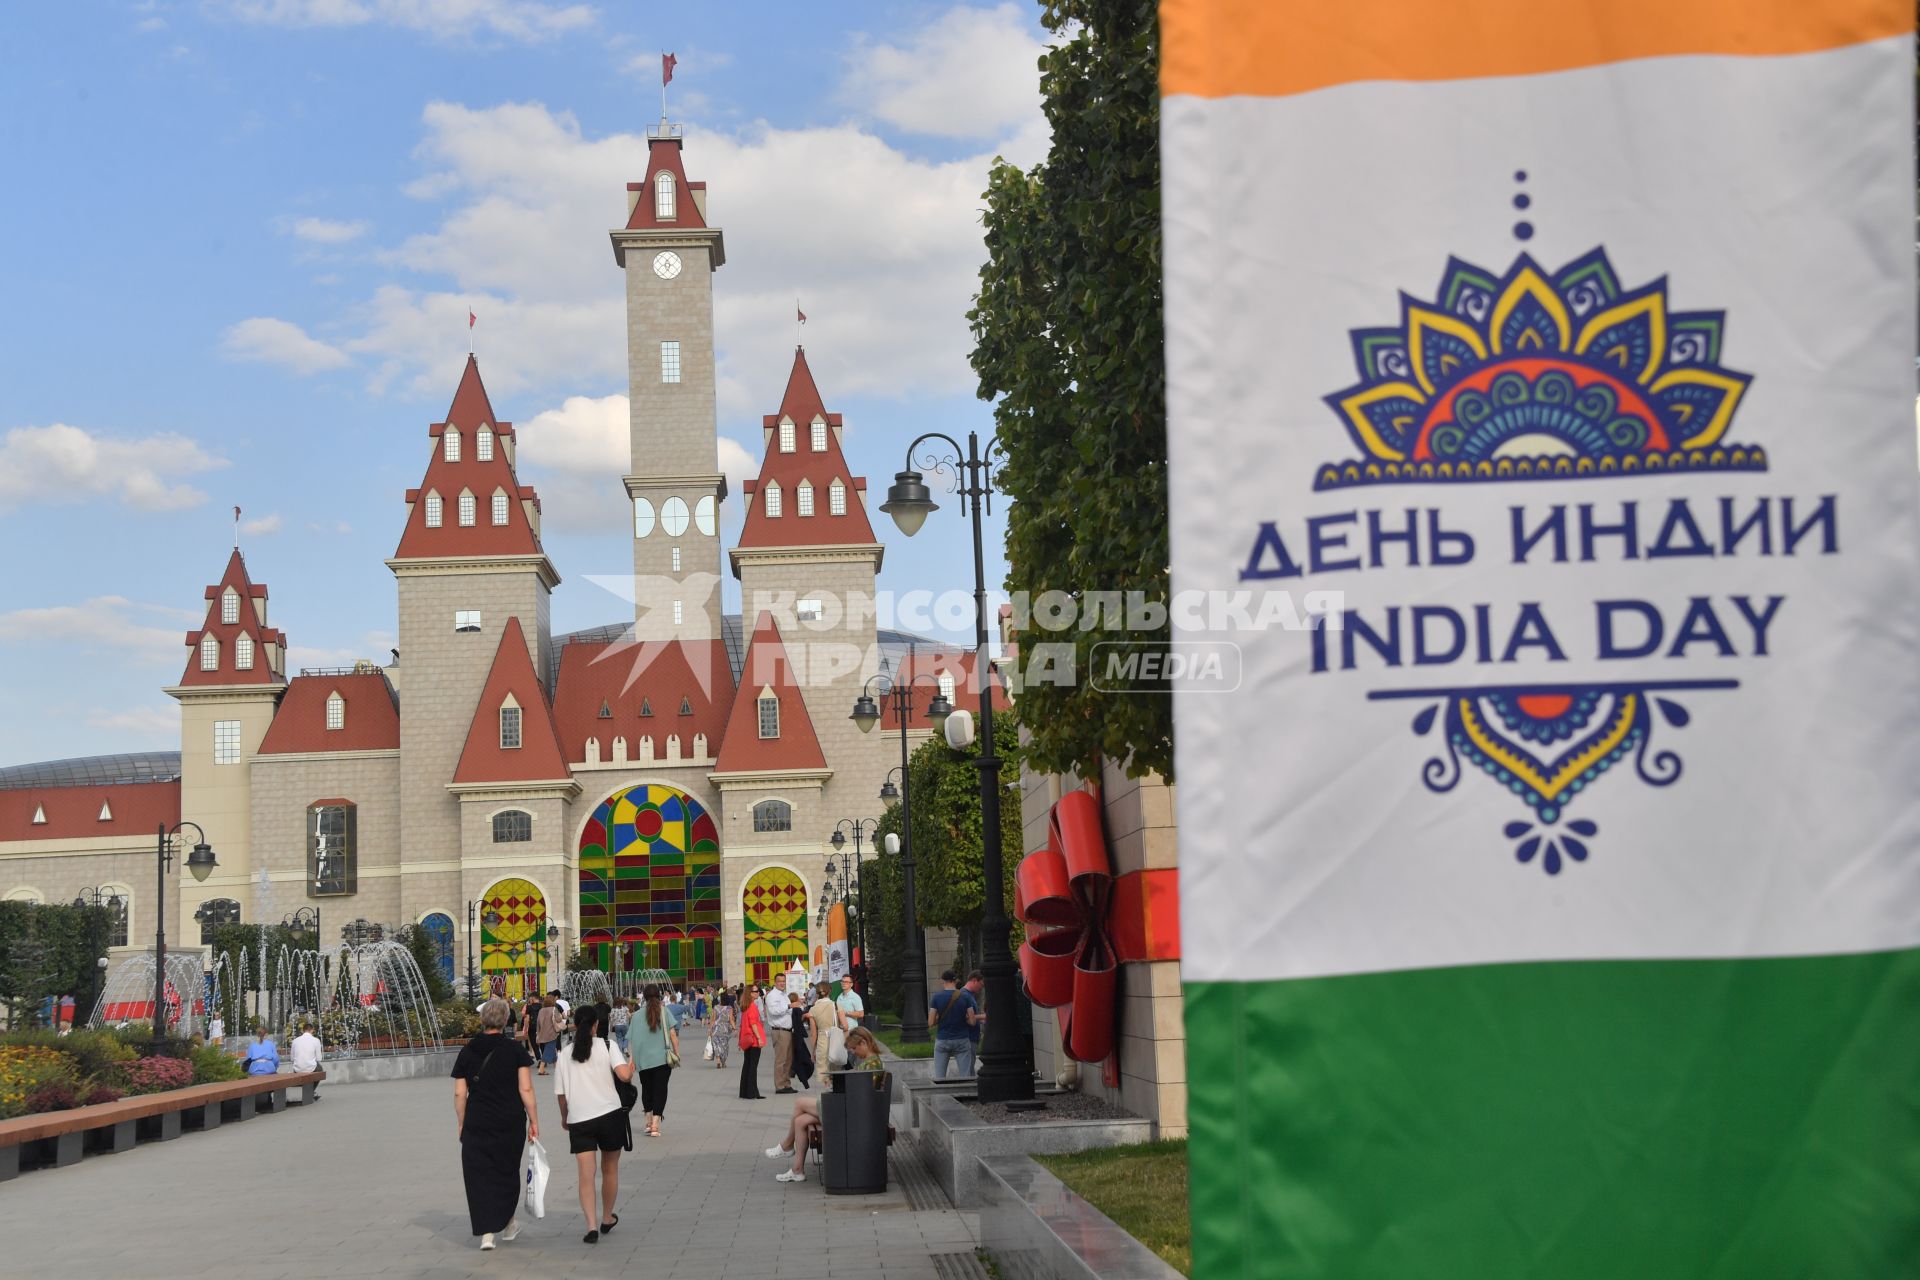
pixel 774 903
pixel 650 884
pixel 439 927
pixel 513 948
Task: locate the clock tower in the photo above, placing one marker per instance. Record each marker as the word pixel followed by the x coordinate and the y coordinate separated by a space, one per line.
pixel 669 254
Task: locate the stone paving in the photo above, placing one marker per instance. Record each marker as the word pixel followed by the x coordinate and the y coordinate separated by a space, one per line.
pixel 367 1183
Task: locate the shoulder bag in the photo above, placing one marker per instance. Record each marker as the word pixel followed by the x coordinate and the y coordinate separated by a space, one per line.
pixel 628 1092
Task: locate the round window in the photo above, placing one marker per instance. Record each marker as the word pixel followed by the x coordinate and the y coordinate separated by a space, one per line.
pixel 703 516
pixel 642 517
pixel 673 517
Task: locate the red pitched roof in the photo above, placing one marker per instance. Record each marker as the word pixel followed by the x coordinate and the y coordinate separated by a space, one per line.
pixel 802 404
pixel 470 411
pixel 228 671
pixel 966 696
pixel 538 758
pixel 797 747
pixel 625 676
pixel 372 721
pixel 664 154
pixel 73 813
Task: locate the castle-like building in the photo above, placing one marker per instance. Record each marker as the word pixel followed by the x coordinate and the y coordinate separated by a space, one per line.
pixel 662 792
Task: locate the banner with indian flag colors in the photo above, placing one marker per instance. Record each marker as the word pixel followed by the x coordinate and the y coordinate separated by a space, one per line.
pixel 1540 393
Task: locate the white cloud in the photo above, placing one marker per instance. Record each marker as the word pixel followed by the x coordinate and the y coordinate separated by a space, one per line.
pixel 265 524
pixel 326 230
pixel 970 73
pixel 445 19
pixel 266 340
pixel 104 623
pixel 62 464
pixel 144 726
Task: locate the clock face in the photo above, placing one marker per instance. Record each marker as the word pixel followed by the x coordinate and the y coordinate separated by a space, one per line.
pixel 666 265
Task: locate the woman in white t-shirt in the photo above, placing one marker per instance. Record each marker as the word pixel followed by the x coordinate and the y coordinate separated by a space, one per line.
pixel 591 1113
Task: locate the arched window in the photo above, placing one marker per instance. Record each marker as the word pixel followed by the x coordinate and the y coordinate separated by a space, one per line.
pixel 213 913
pixel 804 495
pixel 664 206
pixel 117 902
pixel 512 826
pixel 773 498
pixel 946 685
pixel 773 815
pixel 209 653
pixel 499 506
pixel 769 707
pixel 336 711
pixel 450 445
pixel 509 727
pixel 332 849
pixel 786 435
pixel 466 510
pixel 435 509
pixel 243 653
pixel 483 445
pixel 836 499
pixel 230 607
pixel 819 435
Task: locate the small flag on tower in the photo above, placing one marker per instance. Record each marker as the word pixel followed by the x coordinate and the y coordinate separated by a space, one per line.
pixel 798 312
pixel 667 62
pixel 470 317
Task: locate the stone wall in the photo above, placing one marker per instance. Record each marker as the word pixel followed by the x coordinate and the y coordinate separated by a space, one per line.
pixel 283 788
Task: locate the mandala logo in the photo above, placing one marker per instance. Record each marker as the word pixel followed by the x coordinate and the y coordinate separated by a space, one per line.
pixel 1530 376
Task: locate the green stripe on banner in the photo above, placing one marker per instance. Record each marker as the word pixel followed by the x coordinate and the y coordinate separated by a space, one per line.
pixel 1696 1119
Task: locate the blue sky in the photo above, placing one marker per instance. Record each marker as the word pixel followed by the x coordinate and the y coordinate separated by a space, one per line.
pixel 244 234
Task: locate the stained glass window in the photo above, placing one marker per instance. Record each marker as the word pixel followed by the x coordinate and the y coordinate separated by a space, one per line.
pixel 650 884
pixel 775 904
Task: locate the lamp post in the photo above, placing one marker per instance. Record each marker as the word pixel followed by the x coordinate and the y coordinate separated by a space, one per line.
pixel 200 864
pixel 866 714
pixel 492 920
pixel 855 873
pixel 1006 1072
pixel 303 923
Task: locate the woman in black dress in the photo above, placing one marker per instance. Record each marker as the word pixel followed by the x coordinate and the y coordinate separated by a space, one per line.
pixel 494 1115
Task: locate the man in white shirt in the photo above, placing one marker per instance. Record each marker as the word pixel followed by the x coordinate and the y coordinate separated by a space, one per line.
pixel 305 1052
pixel 779 1015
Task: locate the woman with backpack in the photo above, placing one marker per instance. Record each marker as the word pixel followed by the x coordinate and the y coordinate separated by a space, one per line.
pixel 587 1083
pixel 656 1052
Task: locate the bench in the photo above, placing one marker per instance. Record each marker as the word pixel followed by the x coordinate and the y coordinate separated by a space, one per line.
pixel 115 1126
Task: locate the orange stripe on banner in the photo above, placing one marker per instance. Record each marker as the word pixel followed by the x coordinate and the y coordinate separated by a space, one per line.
pixel 1271 48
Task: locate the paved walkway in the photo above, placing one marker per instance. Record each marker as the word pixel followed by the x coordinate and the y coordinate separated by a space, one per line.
pixel 368 1183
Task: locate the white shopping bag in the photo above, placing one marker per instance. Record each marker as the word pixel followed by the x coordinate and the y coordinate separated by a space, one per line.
pixel 538 1172
pixel 836 1049
pixel 707 1053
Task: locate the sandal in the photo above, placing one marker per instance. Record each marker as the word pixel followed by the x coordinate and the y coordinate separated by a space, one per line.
pixel 592 1237
pixel 606 1228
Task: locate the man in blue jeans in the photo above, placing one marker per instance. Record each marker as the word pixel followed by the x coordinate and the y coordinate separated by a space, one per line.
pixel 950 1016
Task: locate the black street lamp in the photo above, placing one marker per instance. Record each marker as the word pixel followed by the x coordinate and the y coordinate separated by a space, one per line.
pixel 888 791
pixel 855 873
pixel 866 714
pixel 200 864
pixel 304 923
pixel 1006 1071
pixel 492 920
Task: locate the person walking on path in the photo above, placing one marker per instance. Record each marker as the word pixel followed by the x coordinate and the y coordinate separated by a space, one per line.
pixel 753 1038
pixel 950 1015
pixel 722 1028
pixel 620 1019
pixel 263 1055
pixel 656 1051
pixel 494 1113
pixel 591 1113
pixel 526 1026
pixel 547 1031
pixel 779 1016
pixel 976 986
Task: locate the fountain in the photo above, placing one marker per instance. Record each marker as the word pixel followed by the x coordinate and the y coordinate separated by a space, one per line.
pixel 128 994
pixel 365 1000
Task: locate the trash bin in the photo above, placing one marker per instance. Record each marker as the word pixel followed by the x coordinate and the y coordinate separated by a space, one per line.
pixel 853 1137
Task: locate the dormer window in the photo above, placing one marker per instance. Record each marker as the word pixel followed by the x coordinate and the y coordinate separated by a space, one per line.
pixel 209 653
pixel 499 506
pixel 769 708
pixel 450 445
pixel 772 498
pixel 336 711
pixel 483 445
pixel 435 510
pixel 646 707
pixel 664 206
pixel 466 509
pixel 243 653
pixel 836 499
pixel 510 726
pixel 946 685
pixel 106 811
pixel 686 706
pixel 805 498
pixel 786 435
pixel 230 607
pixel 819 435
pixel 39 815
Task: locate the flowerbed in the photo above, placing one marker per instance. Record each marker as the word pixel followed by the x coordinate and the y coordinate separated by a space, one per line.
pixel 44 1071
pixel 156 1075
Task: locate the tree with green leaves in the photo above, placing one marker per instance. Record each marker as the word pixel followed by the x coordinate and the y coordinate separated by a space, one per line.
pixel 50 950
pixel 1067 335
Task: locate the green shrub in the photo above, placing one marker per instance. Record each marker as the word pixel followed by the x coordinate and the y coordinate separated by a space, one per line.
pixel 457 1021
pixel 210 1066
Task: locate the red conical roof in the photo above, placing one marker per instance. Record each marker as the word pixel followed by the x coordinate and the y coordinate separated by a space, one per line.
pixel 768 667
pixel 538 758
pixel 470 411
pixel 228 670
pixel 663 155
pixel 805 465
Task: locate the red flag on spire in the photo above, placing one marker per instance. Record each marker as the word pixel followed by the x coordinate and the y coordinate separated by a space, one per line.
pixel 236 513
pixel 667 63
pixel 798 312
pixel 470 317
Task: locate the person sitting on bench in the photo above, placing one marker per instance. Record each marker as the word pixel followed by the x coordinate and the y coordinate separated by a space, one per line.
pixel 863 1053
